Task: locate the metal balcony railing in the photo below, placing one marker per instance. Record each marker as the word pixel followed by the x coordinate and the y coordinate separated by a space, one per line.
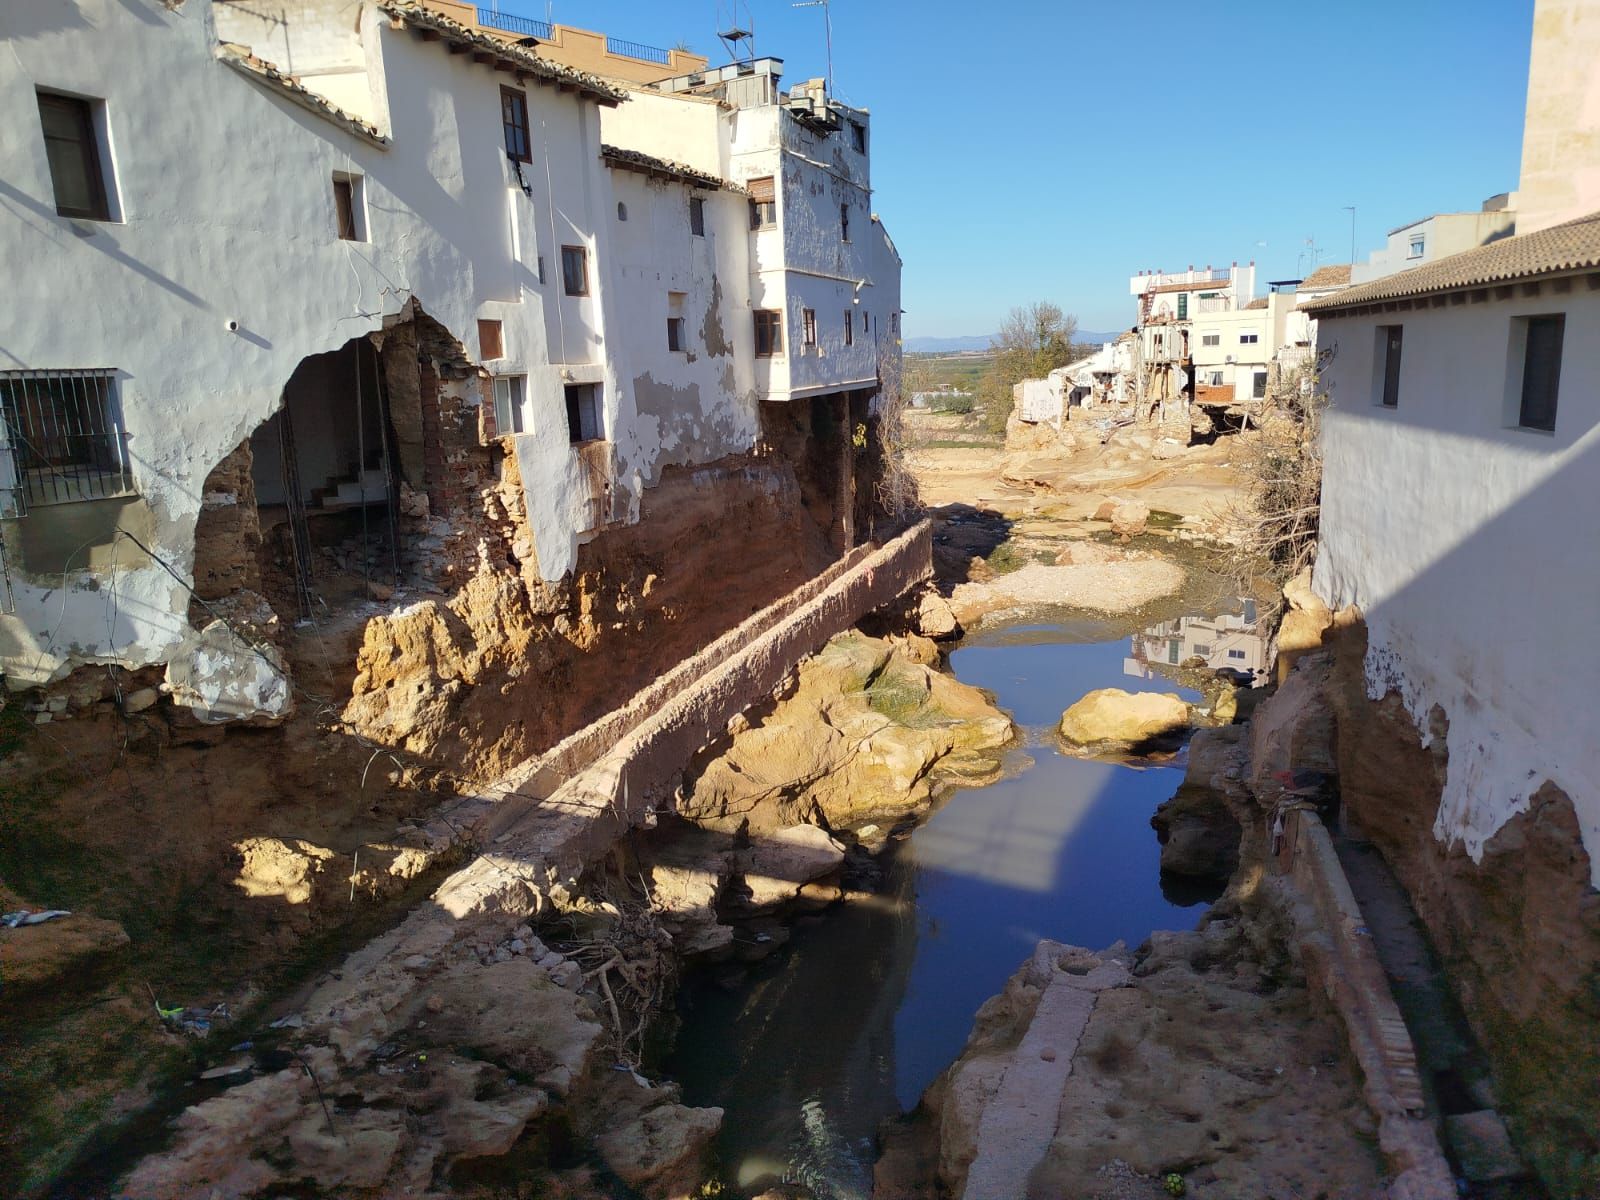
pixel 526 26
pixel 637 50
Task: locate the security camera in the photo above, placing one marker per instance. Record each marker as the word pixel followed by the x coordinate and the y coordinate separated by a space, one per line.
pixel 232 326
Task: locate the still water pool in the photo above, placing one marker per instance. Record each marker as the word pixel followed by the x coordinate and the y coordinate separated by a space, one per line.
pixel 870 1002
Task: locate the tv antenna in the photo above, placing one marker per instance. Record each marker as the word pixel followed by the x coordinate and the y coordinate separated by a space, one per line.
pixel 827 21
pixel 736 33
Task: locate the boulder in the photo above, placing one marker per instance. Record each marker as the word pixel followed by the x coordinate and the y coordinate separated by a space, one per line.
pixel 1110 717
pixel 221 677
pixel 662 1153
pixel 1130 518
pixel 777 866
pixel 1199 828
pixel 1168 448
pixel 935 618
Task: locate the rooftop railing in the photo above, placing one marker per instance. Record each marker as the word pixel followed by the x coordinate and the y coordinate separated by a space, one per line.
pixel 511 23
pixel 638 50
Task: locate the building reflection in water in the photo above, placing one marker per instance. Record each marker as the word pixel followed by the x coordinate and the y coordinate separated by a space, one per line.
pixel 1233 641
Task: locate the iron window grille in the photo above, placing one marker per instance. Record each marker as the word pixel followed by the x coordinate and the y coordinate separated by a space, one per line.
pixel 64 437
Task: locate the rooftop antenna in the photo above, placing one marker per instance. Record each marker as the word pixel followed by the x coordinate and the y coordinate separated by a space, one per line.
pixel 737 33
pixel 1351 209
pixel 827 20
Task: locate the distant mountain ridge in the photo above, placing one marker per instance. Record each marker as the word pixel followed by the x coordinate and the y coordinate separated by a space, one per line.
pixel 955 345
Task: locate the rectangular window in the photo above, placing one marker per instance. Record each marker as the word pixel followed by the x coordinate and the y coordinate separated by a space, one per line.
pixel 894 323
pixel 697 216
pixel 675 325
pixel 1183 305
pixel 1215 379
pixel 858 135
pixel 350 206
pixel 541 268
pixel 1258 386
pixel 583 412
pixel 1235 653
pixel 844 222
pixel 1388 363
pixel 575 270
pixel 509 392
pixel 491 342
pixel 769 332
pixel 763 203
pixel 66 435
pixel 849 328
pixel 514 118
pixel 808 318
pixel 1249 339
pixel 1211 339
pixel 1415 250
pixel 1541 372
pixel 73 148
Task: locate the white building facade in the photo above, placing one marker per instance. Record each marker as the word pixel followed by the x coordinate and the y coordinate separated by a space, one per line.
pixel 333 173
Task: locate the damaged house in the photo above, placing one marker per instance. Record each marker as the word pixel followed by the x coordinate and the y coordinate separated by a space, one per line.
pixel 392 300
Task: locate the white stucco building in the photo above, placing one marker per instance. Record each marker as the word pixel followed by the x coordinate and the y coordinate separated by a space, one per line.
pixel 1460 446
pixel 572 258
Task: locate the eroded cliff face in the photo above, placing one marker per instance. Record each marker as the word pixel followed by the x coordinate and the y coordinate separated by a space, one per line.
pixel 1518 931
pixel 509 664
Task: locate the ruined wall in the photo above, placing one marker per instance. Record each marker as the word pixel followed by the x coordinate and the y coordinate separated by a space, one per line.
pixel 1517 927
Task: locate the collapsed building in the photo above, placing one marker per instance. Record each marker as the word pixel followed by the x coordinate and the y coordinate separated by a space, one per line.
pixel 395 300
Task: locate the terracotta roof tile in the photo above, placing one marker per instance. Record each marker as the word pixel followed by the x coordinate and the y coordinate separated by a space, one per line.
pixel 1332 276
pixel 262 71
pixel 1574 246
pixel 648 164
pixel 1208 285
pixel 507 53
pixel 1258 302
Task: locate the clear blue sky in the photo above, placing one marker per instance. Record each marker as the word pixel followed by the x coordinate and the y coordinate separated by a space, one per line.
pixel 1048 149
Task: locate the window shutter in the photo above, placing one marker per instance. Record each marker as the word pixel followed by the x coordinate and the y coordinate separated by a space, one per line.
pixel 761 190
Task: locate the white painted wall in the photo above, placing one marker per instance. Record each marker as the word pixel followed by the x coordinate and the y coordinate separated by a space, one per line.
pixel 250 236
pixel 1469 548
pixel 1441 235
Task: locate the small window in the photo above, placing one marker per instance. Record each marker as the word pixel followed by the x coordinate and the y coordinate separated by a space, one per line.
pixel 622 211
pixel 844 222
pixel 1202 649
pixel 763 203
pixel 1249 339
pixel 849 328
pixel 1211 339
pixel 1258 386
pixel 1541 372
pixel 541 268
pixel 1416 248
pixel 66 435
pixel 575 270
pixel 1214 379
pixel 583 412
pixel 514 117
pixel 350 207
pixel 769 332
pixel 1388 366
pixel 697 216
pixel 675 333
pixel 858 136
pixel 509 394
pixel 72 146
pixel 808 319
pixel 894 323
pixel 491 342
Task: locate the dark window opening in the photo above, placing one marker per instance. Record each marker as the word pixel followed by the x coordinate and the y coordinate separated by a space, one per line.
pixel 344 206
pixel 1389 341
pixel 808 319
pixel 575 270
pixel 514 118
pixel 858 134
pixel 697 216
pixel 675 333
pixel 583 412
pixel 844 222
pixel 66 436
pixel 769 332
pixel 1541 373
pixel 763 203
pixel 849 328
pixel 73 150
pixel 1258 389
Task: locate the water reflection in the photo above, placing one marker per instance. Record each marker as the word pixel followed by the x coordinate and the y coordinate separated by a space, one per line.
pixel 1232 641
pixel 869 1003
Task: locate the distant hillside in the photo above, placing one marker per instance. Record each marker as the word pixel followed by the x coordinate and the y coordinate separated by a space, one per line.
pixel 955 345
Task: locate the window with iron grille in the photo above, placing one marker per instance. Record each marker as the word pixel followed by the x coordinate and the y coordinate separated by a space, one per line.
pixel 808 319
pixel 769 332
pixel 65 436
pixel 514 117
pixel 849 328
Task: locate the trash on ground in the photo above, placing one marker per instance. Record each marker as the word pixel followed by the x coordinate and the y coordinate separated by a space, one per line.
pixel 23 916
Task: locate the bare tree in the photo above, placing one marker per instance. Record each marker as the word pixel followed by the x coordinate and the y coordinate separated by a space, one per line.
pixel 1033 340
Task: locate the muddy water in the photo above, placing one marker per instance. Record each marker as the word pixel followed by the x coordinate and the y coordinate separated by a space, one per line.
pixel 869 1003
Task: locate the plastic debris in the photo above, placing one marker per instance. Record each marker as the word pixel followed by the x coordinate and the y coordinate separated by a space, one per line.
pixel 292 1021
pixel 23 916
pixel 192 1020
